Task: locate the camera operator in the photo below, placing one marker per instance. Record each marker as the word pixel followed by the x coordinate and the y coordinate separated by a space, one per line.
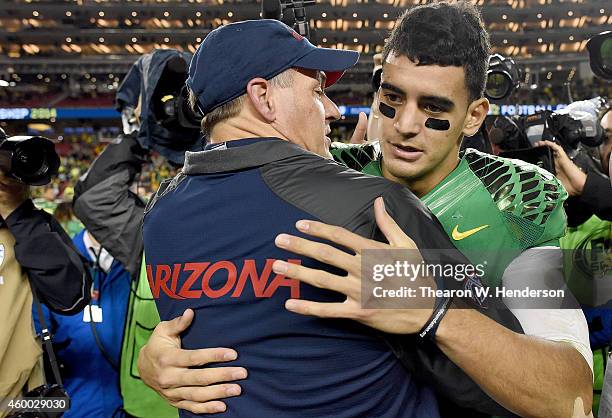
pixel 35 255
pixel 154 118
pixel 591 192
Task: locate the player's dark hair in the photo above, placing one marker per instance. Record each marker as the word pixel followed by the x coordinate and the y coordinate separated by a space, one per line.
pixel 444 34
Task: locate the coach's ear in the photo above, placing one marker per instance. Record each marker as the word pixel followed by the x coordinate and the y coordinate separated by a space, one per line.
pixel 260 96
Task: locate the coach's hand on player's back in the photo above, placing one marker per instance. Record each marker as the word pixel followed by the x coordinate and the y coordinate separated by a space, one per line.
pixel 165 367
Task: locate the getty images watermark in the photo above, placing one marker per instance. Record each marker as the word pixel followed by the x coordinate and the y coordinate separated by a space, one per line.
pixel 399 279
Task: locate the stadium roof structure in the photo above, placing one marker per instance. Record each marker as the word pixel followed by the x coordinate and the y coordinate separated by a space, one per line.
pixel 50 38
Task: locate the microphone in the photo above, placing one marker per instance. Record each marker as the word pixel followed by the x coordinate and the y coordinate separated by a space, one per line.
pixel 271 9
pixel 301 23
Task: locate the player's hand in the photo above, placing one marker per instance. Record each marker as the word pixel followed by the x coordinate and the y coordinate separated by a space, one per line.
pixel 12 194
pixel 165 367
pixel 399 321
pixel 568 173
pixel 361 130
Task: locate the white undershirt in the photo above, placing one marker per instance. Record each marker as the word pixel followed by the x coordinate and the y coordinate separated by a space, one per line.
pixel 542 267
pixel 93 249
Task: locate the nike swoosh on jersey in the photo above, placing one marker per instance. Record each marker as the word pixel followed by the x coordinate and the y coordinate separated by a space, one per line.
pixel 458 236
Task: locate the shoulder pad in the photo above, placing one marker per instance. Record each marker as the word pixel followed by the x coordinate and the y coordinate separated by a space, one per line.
pixel 355 156
pixel 519 189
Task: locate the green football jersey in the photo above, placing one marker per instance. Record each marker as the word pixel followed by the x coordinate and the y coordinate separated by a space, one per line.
pixel 493 208
pixel 587 261
pixel 139 400
pixel 587 267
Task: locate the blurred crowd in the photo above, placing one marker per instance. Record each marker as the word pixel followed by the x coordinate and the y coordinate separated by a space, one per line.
pixel 77 152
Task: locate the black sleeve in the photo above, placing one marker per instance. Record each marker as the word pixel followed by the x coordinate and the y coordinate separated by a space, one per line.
pixel 106 206
pixel 597 195
pixel 459 395
pixel 54 266
pixel 596 199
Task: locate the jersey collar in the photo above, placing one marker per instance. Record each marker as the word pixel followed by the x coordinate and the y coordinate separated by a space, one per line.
pixel 239 155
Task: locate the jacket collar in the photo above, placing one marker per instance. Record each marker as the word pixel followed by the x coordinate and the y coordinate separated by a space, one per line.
pixel 238 155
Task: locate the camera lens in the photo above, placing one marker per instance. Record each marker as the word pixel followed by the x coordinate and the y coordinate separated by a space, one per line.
pixel 169 108
pixel 606 54
pixel 600 55
pixel 498 85
pixel 30 160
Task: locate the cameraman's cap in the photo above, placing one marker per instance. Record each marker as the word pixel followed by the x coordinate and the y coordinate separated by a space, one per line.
pixel 234 54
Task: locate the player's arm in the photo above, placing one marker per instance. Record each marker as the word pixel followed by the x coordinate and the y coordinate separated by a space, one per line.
pixel 537 374
pixel 528 375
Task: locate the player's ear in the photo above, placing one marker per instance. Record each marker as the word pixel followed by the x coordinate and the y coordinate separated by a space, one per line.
pixel 476 114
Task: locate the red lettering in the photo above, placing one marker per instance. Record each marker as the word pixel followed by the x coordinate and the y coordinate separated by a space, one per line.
pixel 175 275
pixel 249 270
pixel 162 275
pixel 281 280
pixel 158 281
pixel 296 35
pixel 197 269
pixel 231 279
pixel 151 282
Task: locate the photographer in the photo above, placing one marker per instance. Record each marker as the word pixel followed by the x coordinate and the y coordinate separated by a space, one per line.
pixel 589 210
pixel 88 345
pixel 35 254
pixel 591 192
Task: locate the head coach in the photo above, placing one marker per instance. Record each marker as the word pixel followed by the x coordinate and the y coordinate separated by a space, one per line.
pixel 209 232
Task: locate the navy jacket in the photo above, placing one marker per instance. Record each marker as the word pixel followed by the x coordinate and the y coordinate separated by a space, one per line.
pixel 209 244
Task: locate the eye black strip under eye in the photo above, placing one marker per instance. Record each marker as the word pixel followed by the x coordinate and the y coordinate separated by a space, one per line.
pixel 431 123
pixel 386 110
pixel 437 124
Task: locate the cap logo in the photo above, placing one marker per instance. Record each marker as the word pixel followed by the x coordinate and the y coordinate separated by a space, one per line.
pixel 296 35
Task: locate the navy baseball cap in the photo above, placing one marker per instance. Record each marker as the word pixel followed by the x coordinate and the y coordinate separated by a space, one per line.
pixel 234 54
